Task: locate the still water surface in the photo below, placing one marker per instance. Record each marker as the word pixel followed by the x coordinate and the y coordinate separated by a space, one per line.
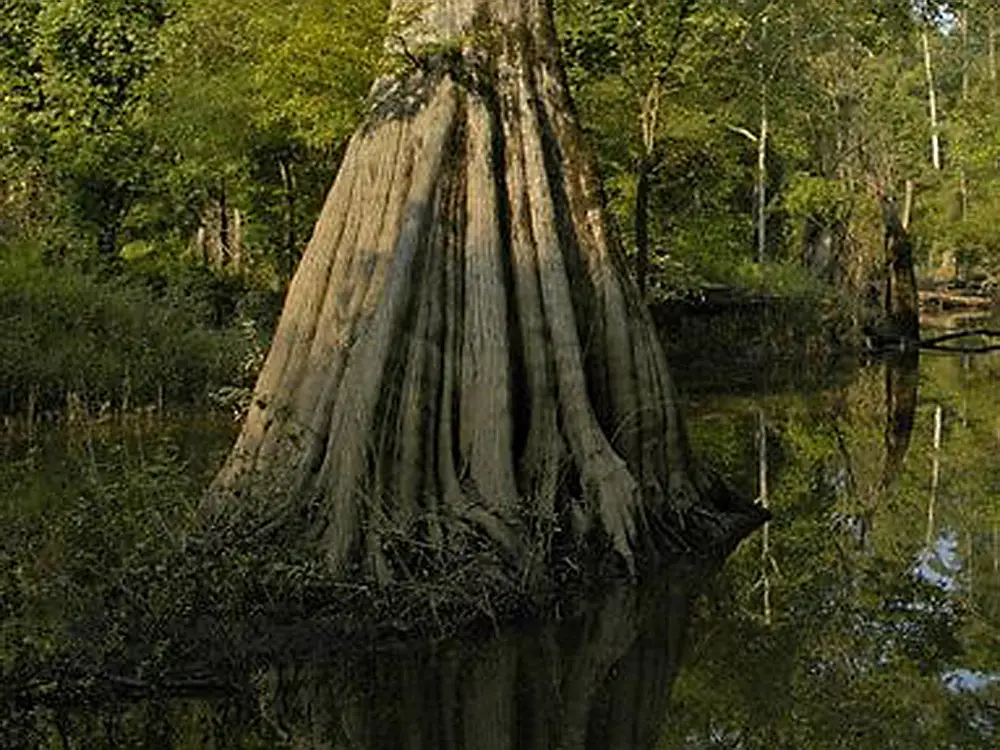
pixel 866 615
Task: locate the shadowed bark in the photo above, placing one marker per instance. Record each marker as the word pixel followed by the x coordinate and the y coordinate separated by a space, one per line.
pixel 901 300
pixel 460 347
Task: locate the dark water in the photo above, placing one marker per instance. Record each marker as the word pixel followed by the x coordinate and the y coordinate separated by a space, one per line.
pixel 867 615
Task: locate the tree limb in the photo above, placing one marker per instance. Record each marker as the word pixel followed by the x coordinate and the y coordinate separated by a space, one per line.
pixel 744 132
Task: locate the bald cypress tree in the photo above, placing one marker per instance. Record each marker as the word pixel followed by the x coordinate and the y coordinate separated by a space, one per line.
pixel 461 348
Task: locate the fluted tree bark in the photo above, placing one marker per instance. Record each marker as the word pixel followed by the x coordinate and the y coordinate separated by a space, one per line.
pixel 460 347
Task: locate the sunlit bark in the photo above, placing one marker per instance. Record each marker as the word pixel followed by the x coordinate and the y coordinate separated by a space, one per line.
pixel 460 346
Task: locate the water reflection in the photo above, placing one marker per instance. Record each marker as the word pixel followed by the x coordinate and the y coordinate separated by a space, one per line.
pixel 902 378
pixel 598 677
pixel 879 627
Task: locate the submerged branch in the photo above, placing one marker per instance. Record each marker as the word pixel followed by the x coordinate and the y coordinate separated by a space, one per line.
pixel 937 342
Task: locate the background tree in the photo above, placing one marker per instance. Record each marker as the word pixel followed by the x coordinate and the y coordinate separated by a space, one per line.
pixel 256 103
pixel 645 77
pixel 75 122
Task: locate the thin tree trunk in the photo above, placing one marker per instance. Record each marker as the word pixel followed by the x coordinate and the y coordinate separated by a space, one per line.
pixel 237 239
pixel 642 226
pixel 762 157
pixel 907 205
pixel 461 350
pixel 762 183
pixel 650 122
pixel 992 49
pixel 963 186
pixel 963 20
pixel 935 476
pixel 223 222
pixel 288 182
pixel 931 101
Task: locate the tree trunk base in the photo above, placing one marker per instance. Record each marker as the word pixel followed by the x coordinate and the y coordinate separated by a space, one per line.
pixel 463 364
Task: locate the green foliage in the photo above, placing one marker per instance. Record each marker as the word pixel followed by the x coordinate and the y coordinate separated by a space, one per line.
pixel 129 128
pixel 119 342
pixel 808 196
pixel 253 103
pixel 846 99
pixel 76 120
pixel 129 122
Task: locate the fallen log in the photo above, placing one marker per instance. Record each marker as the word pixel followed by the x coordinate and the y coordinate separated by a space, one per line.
pixel 952 300
pixel 938 343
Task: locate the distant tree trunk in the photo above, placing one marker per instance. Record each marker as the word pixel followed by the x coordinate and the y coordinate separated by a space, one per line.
pixel 642 227
pixel 219 238
pixel 223 223
pixel 762 185
pixel 991 45
pixel 931 102
pixel 460 346
pixel 901 300
pixel 963 22
pixel 288 181
pixel 963 184
pixel 762 156
pixel 823 247
pixel 236 252
pixel 649 119
pixel 907 205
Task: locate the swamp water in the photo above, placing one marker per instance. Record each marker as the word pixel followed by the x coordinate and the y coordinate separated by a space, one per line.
pixel 866 615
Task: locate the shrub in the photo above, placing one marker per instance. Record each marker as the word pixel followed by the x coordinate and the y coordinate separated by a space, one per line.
pixel 118 342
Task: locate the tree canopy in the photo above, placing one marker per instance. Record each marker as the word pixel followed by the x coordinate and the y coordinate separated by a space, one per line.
pixel 137 124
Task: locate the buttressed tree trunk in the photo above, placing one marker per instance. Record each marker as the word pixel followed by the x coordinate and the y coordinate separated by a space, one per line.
pixel 460 346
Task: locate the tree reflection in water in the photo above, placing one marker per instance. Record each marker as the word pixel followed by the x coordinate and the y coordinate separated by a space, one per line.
pixel 598 675
pixel 599 678
pixel 876 638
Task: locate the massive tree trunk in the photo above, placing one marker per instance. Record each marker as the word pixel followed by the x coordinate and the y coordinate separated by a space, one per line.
pixel 460 347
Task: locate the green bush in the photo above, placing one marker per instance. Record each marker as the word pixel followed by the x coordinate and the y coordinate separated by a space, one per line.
pixel 115 343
